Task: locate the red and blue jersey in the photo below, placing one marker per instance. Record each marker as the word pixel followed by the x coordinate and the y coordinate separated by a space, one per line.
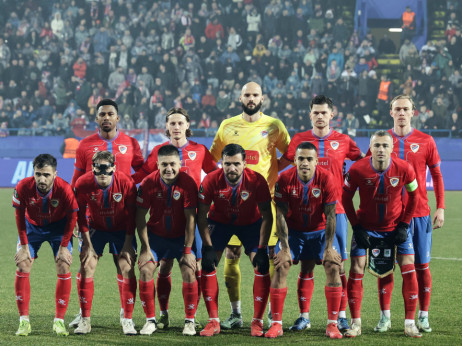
pixel 382 203
pixel 110 209
pixel 167 203
pixel 234 205
pixel 42 210
pixel 126 151
pixel 333 149
pixel 419 149
pixel 306 201
pixel 194 158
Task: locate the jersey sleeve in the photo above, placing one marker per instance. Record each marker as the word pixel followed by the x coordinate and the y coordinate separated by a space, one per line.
pixel 330 195
pixel 283 140
pixel 354 153
pixel 82 203
pixel 138 159
pixel 209 164
pixel 262 190
pixel 218 144
pixel 280 192
pixel 190 198
pixel 80 164
pixel 411 182
pixel 290 153
pixel 142 195
pixel 18 199
pixel 130 207
pixel 206 191
pixel 149 166
pixel 349 183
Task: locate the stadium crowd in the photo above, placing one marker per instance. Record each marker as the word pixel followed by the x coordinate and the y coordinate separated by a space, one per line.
pixel 58 59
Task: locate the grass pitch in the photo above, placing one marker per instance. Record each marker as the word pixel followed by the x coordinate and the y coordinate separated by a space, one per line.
pixel 445 311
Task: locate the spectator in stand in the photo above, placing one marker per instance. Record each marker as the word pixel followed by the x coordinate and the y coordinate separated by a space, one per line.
pixel 408 24
pixel 214 29
pixel 454 124
pixel 386 45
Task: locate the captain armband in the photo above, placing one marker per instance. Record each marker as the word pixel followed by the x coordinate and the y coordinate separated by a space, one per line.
pixel 412 186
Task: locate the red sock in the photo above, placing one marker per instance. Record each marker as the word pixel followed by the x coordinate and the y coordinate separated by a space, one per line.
pixel 77 280
pixel 410 290
pixel 305 287
pixel 199 289
pixel 424 279
pixel 147 297
pixel 385 288
pixel 210 292
pixel 278 296
pixel 22 291
pixel 190 298
pixel 333 297
pixel 63 291
pixel 129 295
pixel 164 286
pixel 355 294
pixel 120 283
pixel 261 290
pixel 86 291
pixel 344 300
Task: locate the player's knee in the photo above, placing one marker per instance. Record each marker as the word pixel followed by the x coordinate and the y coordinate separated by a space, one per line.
pixel 24 266
pixel 331 268
pixel 147 272
pixel 165 266
pixel 62 267
pixel 233 252
pixel 187 273
pixel 357 265
pixel 126 268
pixel 405 259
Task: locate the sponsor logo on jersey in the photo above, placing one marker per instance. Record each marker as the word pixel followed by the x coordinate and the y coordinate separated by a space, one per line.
pixel 264 133
pixel 192 155
pixel 122 149
pixel 54 203
pixel 375 252
pixel 394 181
pixel 387 253
pixel 334 145
pixel 369 182
pixel 294 192
pixel 245 195
pixel 95 149
pixel 415 147
pixel 176 195
pixel 32 201
pixel 252 157
pixel 316 192
pixel 117 197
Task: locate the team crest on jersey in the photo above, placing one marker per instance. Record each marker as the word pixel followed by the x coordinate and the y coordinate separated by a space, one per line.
pixel 117 197
pixel 394 181
pixel 245 195
pixel 375 252
pixel 334 145
pixel 192 155
pixel 415 147
pixel 176 195
pixel 294 192
pixel 316 192
pixel 54 203
pixel 264 133
pixel 122 149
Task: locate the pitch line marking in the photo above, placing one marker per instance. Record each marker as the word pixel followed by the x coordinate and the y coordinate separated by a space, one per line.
pixel 447 259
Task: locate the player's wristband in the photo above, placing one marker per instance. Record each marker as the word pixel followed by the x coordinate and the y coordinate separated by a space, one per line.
pixel 262 247
pixel 187 250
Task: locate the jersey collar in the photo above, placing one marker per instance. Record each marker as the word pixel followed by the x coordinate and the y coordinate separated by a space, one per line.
pixel 378 172
pixel 403 137
pixel 314 135
pixel 308 183
pixel 109 140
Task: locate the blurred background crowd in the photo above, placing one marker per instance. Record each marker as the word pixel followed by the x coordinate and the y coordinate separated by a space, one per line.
pixel 58 59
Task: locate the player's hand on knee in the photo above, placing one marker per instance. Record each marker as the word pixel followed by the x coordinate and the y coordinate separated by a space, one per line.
pixel 401 233
pixel 128 254
pixel 261 260
pixel 145 257
pixel 188 260
pixel 361 236
pixel 64 255
pixel 330 255
pixel 282 257
pixel 22 255
pixel 209 258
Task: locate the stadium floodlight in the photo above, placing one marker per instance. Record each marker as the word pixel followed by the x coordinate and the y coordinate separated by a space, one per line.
pixel 395 29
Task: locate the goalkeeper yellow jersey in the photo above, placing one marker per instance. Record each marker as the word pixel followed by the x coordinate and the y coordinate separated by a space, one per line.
pixel 260 139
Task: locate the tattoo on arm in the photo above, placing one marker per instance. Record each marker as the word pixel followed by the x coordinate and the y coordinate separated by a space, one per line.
pixel 329 211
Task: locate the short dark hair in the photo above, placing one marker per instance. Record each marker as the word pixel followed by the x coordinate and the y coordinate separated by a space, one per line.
pixel 382 133
pixel 167 150
pixel 178 110
pixel 233 149
pixel 45 160
pixel 320 100
pixel 103 156
pixel 307 145
pixel 107 102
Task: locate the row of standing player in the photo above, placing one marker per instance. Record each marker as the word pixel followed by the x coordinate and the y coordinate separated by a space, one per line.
pixel 259 135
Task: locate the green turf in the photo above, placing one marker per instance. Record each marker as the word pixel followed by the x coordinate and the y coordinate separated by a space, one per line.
pixel 445 315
